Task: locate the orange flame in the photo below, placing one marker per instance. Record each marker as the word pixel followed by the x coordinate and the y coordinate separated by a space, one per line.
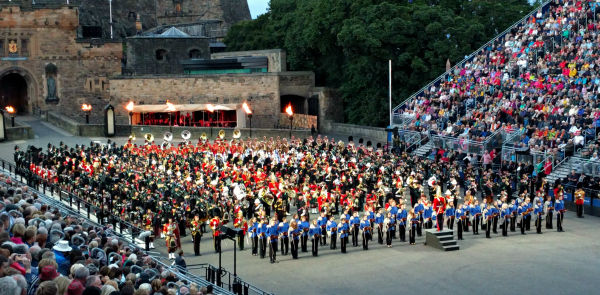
pixel 129 106
pixel 10 110
pixel 247 108
pixel 210 108
pixel 289 111
pixel 170 107
pixel 86 107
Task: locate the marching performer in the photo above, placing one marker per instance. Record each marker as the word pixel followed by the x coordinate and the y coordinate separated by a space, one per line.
pixel 252 232
pixel 284 228
pixel 579 200
pixel 344 230
pixel 450 215
pixel 315 234
pixel 172 237
pixel 273 234
pixel 439 206
pixel 488 216
pixel 513 215
pixel 295 232
pixel 401 218
pixel 240 223
pixel 559 207
pixel 196 233
pixel 505 216
pixel 413 221
pixel 459 219
pixel 522 211
pixel 549 209
pixel 322 224
pixel 215 225
pixel 390 224
pixel 332 231
pixel 354 224
pixel 149 219
pixel 539 212
pixel 365 226
pixel 379 219
pixel 305 228
pixel 262 238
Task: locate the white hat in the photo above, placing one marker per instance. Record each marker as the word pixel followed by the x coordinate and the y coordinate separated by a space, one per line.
pixel 256 201
pixel 62 246
pixel 448 192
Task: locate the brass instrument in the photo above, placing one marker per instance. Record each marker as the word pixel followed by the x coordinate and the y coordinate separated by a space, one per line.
pixel 132 137
pixel 203 136
pixel 236 133
pixel 185 135
pixel 149 137
pixel 221 134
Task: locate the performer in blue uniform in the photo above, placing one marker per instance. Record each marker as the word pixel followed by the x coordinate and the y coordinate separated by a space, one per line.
pixel 522 211
pixel 284 227
pixel 262 237
pixel 505 216
pixel 252 231
pixel 365 226
pixel 450 215
pixel 538 210
pixel 305 228
pixel 488 215
pixel 414 221
pixel 559 207
pixel 273 234
pixel 394 211
pixel 390 223
pixel 401 218
pixel 476 214
pixel 419 208
pixel 332 231
pixel 459 219
pixel 354 224
pixel 427 214
pixel 295 232
pixel 495 216
pixel 322 224
pixel 315 234
pixel 549 209
pixel 379 218
pixel 513 215
pixel 344 230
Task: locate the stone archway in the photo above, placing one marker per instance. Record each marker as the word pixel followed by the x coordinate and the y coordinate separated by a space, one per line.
pixel 297 102
pixel 18 89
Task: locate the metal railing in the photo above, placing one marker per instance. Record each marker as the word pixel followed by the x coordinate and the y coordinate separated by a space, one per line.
pixel 470 57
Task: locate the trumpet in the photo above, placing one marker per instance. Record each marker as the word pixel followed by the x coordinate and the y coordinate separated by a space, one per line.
pixel 149 137
pixel 222 134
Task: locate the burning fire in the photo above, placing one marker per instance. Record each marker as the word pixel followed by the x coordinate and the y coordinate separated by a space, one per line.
pixel 247 108
pixel 86 107
pixel 289 111
pixel 170 107
pixel 10 110
pixel 129 106
pixel 210 108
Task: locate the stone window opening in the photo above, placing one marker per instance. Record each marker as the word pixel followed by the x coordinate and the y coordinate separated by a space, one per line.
pixel 51 76
pixel 2 49
pixel 194 53
pixel 24 47
pixel 88 32
pixel 161 54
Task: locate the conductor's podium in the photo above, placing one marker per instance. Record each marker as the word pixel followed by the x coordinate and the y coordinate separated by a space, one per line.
pixel 443 240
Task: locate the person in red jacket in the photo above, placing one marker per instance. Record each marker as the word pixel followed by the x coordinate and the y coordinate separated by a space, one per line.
pixel 439 206
pixel 215 224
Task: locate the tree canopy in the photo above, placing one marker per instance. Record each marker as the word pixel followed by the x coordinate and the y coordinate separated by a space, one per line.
pixel 348 43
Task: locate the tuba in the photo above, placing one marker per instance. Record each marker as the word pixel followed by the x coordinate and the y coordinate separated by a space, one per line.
pixel 168 137
pixel 203 136
pixel 149 137
pixel 236 133
pixel 132 137
pixel 341 144
pixel 185 135
pixel 222 134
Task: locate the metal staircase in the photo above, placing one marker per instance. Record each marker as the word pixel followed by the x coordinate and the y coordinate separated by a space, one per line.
pixel 423 151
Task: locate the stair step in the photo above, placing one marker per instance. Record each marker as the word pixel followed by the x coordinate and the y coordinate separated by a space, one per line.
pixel 449 243
pixel 451 248
pixel 446 238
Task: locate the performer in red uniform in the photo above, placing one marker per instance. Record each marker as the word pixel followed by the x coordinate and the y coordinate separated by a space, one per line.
pixel 439 206
pixel 215 224
pixel 172 237
pixel 240 223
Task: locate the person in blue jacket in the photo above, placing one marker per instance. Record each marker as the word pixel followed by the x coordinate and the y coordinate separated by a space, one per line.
pixel 354 224
pixel 322 224
pixel 295 232
pixel 315 234
pixel 413 222
pixel 459 221
pixel 390 222
pixel 272 235
pixel 365 226
pixel 284 227
pixel 538 210
pixel 305 228
pixel 505 216
pixel 450 215
pixel 513 215
pixel 401 219
pixel 475 211
pixel 262 237
pixel 252 231
pixel 394 211
pixel 495 214
pixel 419 208
pixel 427 214
pixel 344 229
pixel 522 211
pixel 333 232
pixel 528 220
pixel 559 208
pixel 379 218
pixel 549 209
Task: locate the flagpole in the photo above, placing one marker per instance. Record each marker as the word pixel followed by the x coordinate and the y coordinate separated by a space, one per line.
pixel 391 115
